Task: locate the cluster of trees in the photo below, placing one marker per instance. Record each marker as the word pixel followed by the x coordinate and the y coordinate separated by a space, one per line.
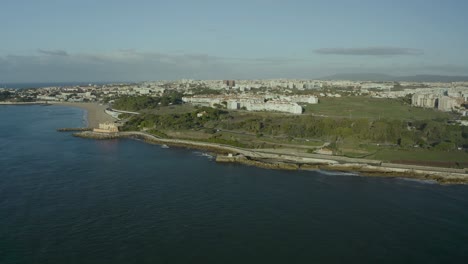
pixel 24 99
pixel 175 121
pixel 5 95
pixel 135 103
pixel 205 91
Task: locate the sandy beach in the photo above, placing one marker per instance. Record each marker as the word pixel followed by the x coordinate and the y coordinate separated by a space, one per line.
pixel 95 112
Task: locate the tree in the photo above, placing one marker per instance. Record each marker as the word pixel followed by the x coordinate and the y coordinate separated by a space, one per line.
pixel 5 95
pixel 445 146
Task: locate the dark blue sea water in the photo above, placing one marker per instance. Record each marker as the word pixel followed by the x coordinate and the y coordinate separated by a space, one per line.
pixel 71 200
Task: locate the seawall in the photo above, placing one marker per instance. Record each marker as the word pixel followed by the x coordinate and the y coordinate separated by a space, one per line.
pixel 70 129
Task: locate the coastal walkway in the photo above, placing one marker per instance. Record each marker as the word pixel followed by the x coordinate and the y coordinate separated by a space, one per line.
pixel 115 113
pixel 231 149
pixel 122 111
pixel 304 158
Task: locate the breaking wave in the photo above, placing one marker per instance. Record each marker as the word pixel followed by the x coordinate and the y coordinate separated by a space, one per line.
pixel 338 173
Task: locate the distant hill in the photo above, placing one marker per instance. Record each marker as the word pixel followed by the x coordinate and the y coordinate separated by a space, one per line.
pixel 359 77
pixel 432 78
pixel 378 77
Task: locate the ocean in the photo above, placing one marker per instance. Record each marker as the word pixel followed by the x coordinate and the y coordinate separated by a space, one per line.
pixel 71 200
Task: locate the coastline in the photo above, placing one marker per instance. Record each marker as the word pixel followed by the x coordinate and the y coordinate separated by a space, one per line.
pixel 22 103
pixel 271 160
pixel 95 113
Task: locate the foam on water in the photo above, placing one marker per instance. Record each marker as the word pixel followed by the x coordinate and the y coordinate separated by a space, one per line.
pixel 204 154
pixel 418 180
pixel 338 173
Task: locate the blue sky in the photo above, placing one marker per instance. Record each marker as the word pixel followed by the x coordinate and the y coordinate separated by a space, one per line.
pixel 120 40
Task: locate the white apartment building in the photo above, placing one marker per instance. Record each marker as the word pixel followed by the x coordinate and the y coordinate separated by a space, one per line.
pixel 424 100
pixel 447 103
pixel 274 106
pixel 380 86
pixel 250 103
pixel 443 103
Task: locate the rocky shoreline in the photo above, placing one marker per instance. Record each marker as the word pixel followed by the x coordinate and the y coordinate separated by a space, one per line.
pixel 73 129
pixel 230 154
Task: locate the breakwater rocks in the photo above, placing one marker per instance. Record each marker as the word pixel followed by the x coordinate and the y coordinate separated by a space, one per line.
pixel 363 169
pixel 271 160
pixel 154 140
pixel 426 174
pixel 71 129
pixel 95 135
pixel 266 164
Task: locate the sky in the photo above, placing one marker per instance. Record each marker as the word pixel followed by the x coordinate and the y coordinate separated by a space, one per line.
pixel 122 40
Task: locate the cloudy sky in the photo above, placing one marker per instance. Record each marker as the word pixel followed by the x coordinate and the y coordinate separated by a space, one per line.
pixel 121 40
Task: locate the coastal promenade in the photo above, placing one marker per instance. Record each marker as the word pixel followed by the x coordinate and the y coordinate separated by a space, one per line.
pixel 303 161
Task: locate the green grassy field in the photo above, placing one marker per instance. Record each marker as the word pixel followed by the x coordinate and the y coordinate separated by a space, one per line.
pixel 287 131
pixel 417 156
pixel 373 108
pixel 423 155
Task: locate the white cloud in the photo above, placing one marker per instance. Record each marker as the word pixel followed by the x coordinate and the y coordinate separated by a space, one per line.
pixel 370 51
pixel 133 65
pixel 53 52
pixel 130 65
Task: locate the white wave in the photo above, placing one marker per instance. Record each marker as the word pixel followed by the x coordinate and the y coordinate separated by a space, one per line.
pixel 203 154
pixel 419 180
pixel 338 173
